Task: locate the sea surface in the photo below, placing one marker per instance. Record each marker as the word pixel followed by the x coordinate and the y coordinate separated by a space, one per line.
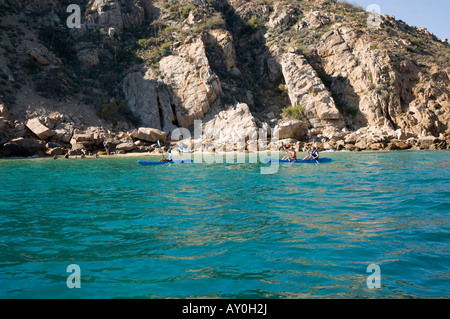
pixel 226 230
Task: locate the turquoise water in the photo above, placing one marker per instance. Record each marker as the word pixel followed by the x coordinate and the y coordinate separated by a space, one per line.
pixel 225 230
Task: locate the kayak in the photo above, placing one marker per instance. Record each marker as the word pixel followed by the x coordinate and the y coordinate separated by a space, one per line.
pixel 182 161
pixel 276 160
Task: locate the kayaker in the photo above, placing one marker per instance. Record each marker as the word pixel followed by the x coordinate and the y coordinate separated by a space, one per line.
pixel 292 155
pixel 314 155
pixel 169 158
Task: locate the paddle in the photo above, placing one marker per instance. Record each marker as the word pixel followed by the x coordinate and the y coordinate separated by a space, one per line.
pixel 290 158
pixel 159 144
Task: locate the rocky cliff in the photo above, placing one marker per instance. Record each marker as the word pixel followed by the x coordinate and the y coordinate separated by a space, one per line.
pixel 312 71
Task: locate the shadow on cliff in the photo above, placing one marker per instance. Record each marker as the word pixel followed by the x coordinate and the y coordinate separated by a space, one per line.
pixel 256 85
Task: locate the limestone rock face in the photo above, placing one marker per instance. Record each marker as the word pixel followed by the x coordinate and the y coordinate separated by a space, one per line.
pixel 149 99
pixel 116 14
pixel 283 15
pixel 232 125
pixel 386 94
pixel 39 129
pixel 220 49
pixel 305 88
pixel 193 84
pixel 315 19
pixel 292 129
pixel 233 64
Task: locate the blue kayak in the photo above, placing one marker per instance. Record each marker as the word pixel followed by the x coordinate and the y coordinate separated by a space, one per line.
pixel 146 163
pixel 276 160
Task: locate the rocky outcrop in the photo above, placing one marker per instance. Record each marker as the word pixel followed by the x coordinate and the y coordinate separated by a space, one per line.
pixel 149 98
pixel 367 79
pixel 305 88
pixel 22 147
pixel 220 50
pixel 230 126
pixel 43 56
pixel 126 147
pixel 149 134
pixel 283 15
pixel 294 129
pixel 115 14
pixel 194 85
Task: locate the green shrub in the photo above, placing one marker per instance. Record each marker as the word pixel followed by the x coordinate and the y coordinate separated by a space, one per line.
pixel 295 112
pixel 414 41
pixel 185 10
pixel 352 110
pixel 214 22
pixel 57 39
pixel 282 88
pixel 253 23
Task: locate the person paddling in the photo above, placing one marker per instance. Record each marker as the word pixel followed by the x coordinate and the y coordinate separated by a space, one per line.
pixel 169 158
pixel 292 155
pixel 314 155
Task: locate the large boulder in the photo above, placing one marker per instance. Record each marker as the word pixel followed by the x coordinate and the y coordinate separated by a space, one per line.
pixel 84 137
pixel 39 129
pixel 292 129
pixel 234 124
pixel 427 141
pixel 23 147
pixel 149 134
pixel 62 135
pixel 127 146
pixel 351 138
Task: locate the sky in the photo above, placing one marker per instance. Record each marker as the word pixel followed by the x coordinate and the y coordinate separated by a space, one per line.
pixel 431 14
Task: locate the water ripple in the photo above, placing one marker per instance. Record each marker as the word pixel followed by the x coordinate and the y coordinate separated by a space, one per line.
pixel 226 231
